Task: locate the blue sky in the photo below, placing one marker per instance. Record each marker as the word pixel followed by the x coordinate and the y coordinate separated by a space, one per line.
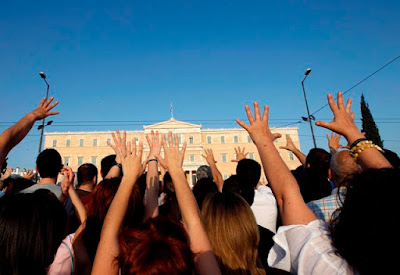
pixel 119 61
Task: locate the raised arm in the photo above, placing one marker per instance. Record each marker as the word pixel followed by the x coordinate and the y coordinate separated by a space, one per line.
pixel 152 179
pixel 105 261
pixel 292 148
pixel 343 124
pixel 291 205
pixel 13 135
pixel 67 187
pixel 200 244
pixel 217 176
pixel 119 142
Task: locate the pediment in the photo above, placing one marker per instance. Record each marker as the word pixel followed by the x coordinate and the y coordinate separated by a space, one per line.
pixel 172 124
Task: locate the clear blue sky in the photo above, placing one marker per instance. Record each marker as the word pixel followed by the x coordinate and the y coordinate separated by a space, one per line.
pixel 113 61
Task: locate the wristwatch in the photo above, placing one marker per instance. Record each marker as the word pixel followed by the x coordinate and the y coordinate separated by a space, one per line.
pixel 117 164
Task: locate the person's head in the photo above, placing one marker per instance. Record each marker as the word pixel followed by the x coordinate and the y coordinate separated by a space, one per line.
pixel 248 172
pixel 204 171
pixel 342 165
pixel 318 158
pixel 233 232
pixel 87 174
pixel 49 163
pixel 101 198
pixel 231 184
pixel 14 185
pixel 168 188
pixel 159 246
pixel 106 164
pixel 366 226
pixel 32 227
pixel 202 188
pixel 392 157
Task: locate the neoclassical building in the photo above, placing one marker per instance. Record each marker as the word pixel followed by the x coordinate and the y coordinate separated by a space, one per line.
pixel 77 148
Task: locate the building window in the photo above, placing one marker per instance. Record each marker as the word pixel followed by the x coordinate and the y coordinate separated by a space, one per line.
pixel 251 155
pixel 68 143
pixel 108 141
pixel 249 139
pixel 80 161
pixel 222 139
pixel 95 142
pixel 223 157
pixel 209 140
pixel 236 139
pixel 54 143
pixel 191 158
pixel 291 157
pixel 190 140
pixel 81 142
pixel 276 140
pixel 94 160
pixel 180 138
pixel 66 161
pixel 225 176
pixel 166 138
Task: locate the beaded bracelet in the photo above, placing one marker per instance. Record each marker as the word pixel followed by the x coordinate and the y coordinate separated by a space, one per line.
pixel 363 145
pixel 355 143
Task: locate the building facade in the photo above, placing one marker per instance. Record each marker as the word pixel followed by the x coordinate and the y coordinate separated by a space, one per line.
pixel 77 148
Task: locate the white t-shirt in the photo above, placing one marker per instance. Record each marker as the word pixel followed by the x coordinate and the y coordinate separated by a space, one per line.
pixel 264 208
pixel 306 249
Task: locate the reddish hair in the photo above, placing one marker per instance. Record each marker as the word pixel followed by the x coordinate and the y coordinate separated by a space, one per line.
pixel 102 196
pixel 159 246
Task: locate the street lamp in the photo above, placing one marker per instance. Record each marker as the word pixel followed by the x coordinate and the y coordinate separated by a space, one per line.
pixel 41 127
pixel 309 117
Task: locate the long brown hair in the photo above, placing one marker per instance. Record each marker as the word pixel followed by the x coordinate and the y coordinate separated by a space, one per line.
pixel 233 232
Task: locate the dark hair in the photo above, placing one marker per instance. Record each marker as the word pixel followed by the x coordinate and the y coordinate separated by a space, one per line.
pixel 249 172
pixel 31 230
pixel 202 188
pixel 16 184
pixel 106 164
pixel 49 163
pixel 101 198
pixel 318 158
pixel 231 184
pixel 366 225
pixel 159 246
pixel 86 173
pixel 392 157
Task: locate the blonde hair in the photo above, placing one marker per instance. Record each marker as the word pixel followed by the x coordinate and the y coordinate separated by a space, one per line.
pixel 233 232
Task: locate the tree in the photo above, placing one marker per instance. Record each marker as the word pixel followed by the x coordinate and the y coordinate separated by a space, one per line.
pixel 368 124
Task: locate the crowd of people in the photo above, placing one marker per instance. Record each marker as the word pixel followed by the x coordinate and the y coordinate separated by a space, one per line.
pixel 334 214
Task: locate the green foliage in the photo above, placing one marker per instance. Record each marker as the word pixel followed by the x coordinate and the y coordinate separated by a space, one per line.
pixel 368 124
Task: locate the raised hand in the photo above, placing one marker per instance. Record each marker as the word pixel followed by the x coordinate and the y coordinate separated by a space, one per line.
pixel 333 142
pixel 240 154
pixel 173 158
pixel 68 181
pixel 209 156
pixel 29 174
pixel 154 143
pixel 289 144
pixel 119 144
pixel 131 160
pixel 343 120
pixel 44 108
pixel 258 129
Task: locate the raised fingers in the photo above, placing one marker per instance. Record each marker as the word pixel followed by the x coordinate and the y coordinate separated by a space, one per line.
pixel 348 105
pixel 257 111
pixel 249 114
pixel 332 104
pixel 266 113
